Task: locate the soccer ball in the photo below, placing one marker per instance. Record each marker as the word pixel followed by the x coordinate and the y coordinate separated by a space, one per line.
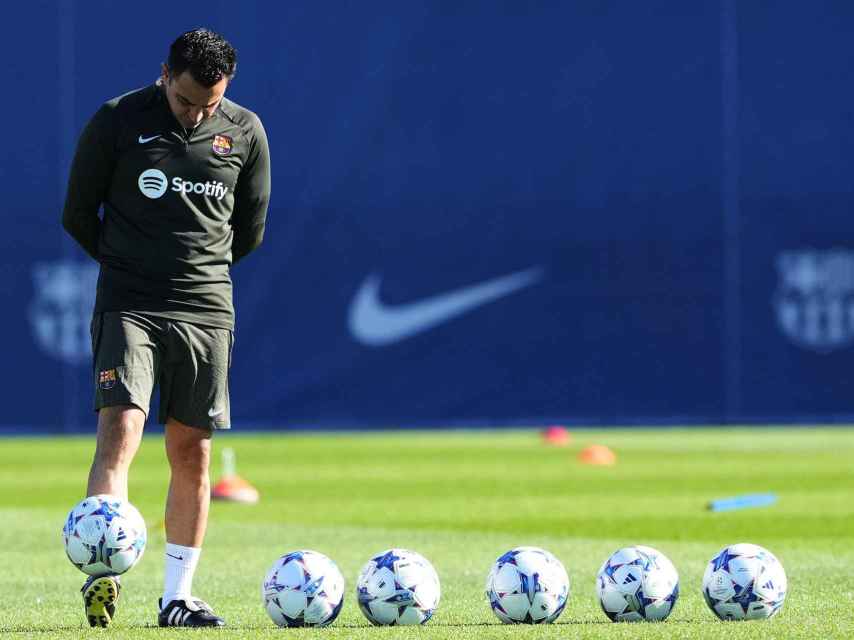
pixel 398 587
pixel 303 589
pixel 744 582
pixel 528 585
pixel 637 583
pixel 104 535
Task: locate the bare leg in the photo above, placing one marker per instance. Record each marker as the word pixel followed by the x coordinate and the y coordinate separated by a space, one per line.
pixel 189 452
pixel 119 435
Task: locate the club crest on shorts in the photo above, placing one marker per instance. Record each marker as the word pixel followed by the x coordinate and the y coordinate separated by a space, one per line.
pixel 222 145
pixel 107 379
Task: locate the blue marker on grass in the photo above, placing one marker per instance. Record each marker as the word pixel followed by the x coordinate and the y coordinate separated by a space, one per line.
pixel 747 501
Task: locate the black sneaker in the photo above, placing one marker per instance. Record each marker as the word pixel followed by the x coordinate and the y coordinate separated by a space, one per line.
pixel 188 613
pixel 100 595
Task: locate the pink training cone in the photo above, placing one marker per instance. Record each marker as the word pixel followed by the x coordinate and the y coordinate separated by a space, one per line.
pixel 557 436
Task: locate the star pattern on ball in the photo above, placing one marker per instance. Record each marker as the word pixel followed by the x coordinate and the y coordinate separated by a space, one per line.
pixel 294 555
pixel 534 587
pixel 386 560
pixel 723 560
pixel 312 587
pixel 523 583
pixel 642 601
pixel 107 510
pixel 402 596
pixel 745 597
pixel 612 568
pixel 509 557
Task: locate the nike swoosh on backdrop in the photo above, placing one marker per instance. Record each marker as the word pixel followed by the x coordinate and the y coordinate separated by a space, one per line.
pixel 144 140
pixel 375 324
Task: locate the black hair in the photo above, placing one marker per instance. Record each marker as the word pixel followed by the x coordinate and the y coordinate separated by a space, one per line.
pixel 207 55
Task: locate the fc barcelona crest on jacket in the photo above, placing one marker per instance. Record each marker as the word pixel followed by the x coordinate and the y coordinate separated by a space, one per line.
pixel 222 145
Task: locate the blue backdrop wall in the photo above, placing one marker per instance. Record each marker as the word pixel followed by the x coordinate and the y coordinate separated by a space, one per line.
pixel 483 212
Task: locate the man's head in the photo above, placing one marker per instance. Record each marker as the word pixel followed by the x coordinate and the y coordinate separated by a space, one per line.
pixel 200 66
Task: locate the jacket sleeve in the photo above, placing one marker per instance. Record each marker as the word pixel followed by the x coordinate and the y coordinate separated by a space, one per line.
pixel 89 181
pixel 252 196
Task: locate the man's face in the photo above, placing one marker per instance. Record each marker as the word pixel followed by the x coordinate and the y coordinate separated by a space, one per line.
pixel 190 101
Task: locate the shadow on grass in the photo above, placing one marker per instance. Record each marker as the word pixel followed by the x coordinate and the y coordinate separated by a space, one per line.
pixel 267 627
pixel 45 630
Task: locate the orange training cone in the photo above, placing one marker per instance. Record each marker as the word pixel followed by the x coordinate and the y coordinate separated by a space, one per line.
pixel 232 487
pixel 597 454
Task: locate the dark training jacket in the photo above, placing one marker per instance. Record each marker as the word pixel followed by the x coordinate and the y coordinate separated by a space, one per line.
pixel 180 207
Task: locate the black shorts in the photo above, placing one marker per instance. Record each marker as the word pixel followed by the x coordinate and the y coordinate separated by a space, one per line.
pixel 134 351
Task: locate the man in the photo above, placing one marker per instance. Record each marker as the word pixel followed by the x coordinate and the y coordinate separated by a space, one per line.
pixel 183 175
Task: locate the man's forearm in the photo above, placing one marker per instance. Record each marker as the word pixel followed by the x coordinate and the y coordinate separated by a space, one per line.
pixel 245 241
pixel 84 228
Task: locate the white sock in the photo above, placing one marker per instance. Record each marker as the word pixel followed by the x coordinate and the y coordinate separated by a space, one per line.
pixel 180 566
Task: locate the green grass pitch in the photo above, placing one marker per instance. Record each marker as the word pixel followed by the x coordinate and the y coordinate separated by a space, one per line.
pixel 461 499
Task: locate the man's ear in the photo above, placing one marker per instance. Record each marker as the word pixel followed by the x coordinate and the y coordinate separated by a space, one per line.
pixel 164 73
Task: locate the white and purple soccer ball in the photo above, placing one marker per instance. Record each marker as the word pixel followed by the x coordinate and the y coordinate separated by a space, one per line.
pixel 527 585
pixel 636 584
pixel 398 587
pixel 744 582
pixel 303 589
pixel 104 535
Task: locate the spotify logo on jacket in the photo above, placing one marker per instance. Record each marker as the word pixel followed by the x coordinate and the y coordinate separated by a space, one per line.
pixel 153 183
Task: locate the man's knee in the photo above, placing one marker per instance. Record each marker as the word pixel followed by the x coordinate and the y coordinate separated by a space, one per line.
pixel 120 419
pixel 119 433
pixel 187 448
